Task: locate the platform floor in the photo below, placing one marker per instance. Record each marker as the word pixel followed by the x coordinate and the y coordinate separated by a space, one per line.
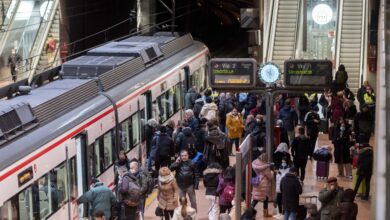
pixel 311 187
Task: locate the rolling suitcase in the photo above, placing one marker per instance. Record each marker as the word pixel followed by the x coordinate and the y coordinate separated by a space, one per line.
pixel 322 170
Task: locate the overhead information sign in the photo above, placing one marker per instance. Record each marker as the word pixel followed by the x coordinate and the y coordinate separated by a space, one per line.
pixel 232 73
pixel 308 73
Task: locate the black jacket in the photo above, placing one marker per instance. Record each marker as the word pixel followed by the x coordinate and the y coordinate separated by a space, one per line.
pixel 363 123
pixel 300 147
pixel 341 141
pixel 187 141
pixel 170 131
pixel 291 189
pixel 165 145
pixel 149 133
pixel 186 174
pixel 365 161
pixel 350 112
pixel 198 107
pixel 211 180
pixel 312 126
pixel 200 136
pixel 210 152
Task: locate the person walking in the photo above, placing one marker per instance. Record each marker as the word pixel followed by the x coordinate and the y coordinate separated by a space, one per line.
pixel 14 60
pixel 330 197
pixel 209 110
pixel 364 168
pixel 341 79
pixel 336 107
pixel 215 146
pixel 193 122
pixel 289 118
pixel 262 191
pixel 226 190
pixel 142 181
pixel 347 209
pixel 187 176
pixel 341 141
pixel 167 195
pixel 184 212
pixel 165 148
pixel 150 129
pixel 300 151
pixel 290 188
pixel 281 171
pixel 235 127
pixel 281 153
pixel 312 120
pixel 363 125
pixel 210 181
pixel 100 197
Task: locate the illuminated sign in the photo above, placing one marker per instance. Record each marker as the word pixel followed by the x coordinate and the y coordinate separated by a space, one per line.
pixel 322 14
pixel 308 73
pixel 237 73
pixel 25 176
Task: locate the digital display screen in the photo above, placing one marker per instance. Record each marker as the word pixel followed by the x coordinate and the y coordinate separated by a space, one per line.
pixel 25 176
pixel 308 73
pixel 237 73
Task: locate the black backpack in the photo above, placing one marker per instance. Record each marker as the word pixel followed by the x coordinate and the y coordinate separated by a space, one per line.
pixel 189 145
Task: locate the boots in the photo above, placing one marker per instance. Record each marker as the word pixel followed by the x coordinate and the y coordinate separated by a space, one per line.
pixel 266 214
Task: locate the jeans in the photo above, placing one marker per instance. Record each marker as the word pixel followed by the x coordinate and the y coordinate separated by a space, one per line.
pixel 191 193
pixel 289 215
pixel 236 142
pixel 300 165
pixel 213 204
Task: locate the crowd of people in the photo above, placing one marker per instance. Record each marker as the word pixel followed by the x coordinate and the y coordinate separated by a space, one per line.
pixel 198 147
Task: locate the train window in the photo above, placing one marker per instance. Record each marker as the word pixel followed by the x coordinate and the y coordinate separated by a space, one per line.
pixel 198 79
pixel 29 203
pixel 59 181
pixel 97 160
pixel 73 178
pixel 107 160
pixel 169 103
pixel 45 194
pixel 9 210
pixel 143 122
pixel 177 98
pixel 125 135
pixel 162 107
pixel 135 129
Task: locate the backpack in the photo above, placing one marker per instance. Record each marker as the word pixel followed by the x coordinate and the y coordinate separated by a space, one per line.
pixel 189 145
pixel 242 97
pixel 150 182
pixel 228 193
pixel 133 194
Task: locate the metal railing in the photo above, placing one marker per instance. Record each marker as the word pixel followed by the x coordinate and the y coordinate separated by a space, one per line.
pixel 363 43
pixel 338 32
pixel 272 29
pixel 298 32
pixel 7 32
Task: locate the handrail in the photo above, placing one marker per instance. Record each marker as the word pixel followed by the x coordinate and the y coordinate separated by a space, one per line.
pixel 272 31
pixel 338 32
pixel 363 43
pixel 298 33
pixel 42 43
pixel 4 38
pixel 6 12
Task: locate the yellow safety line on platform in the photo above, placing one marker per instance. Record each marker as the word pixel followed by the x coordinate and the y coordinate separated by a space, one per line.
pixel 150 198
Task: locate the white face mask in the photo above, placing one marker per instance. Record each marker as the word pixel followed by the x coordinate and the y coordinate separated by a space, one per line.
pixel 284 164
pixel 342 128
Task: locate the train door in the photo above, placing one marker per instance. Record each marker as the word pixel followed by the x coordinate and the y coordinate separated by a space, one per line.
pixel 148 105
pixel 84 168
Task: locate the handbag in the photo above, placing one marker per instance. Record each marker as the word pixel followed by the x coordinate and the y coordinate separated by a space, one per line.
pixel 159 212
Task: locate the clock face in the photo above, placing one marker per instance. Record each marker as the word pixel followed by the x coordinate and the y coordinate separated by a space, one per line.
pixel 269 73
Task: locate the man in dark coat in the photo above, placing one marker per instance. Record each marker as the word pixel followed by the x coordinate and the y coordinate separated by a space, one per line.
pixel 150 129
pixel 289 118
pixel 14 60
pixel 192 121
pixel 363 125
pixel 187 177
pixel 213 137
pixel 300 151
pixel 189 99
pixel 291 188
pixel 165 148
pixel 330 197
pixel 341 141
pixel 312 121
pixel 198 105
pixel 364 171
pixel 347 209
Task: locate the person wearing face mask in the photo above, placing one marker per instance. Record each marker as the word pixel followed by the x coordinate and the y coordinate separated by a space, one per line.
pixel 341 141
pixel 142 181
pixel 330 197
pixel 235 127
pixel 121 165
pixel 280 173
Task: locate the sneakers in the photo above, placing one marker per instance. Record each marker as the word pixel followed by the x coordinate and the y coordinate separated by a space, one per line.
pixel 278 216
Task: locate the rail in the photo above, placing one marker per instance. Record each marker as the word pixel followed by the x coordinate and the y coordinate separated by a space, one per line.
pixel 4 38
pixel 272 29
pixel 42 42
pixel 298 26
pixel 363 43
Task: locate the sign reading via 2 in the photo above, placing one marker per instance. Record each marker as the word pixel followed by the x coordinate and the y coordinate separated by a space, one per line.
pixel 308 73
pixel 233 73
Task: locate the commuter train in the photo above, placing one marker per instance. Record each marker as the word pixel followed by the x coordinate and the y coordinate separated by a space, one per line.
pixel 54 139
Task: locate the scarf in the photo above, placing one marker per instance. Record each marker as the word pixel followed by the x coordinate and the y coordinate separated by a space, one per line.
pixel 166 179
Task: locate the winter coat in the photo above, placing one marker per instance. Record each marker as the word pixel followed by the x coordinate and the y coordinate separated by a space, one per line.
pixel 280 153
pixel 329 201
pixel 170 131
pixel 149 134
pixel 209 111
pixel 191 212
pixel 186 141
pixel 186 174
pixel 350 112
pixel 142 181
pixel 341 78
pixel 198 107
pixel 200 136
pixel 300 147
pixel 225 106
pixel 234 125
pixel 289 117
pixel 250 127
pixel 342 144
pixel 165 145
pixel 363 123
pixel 168 194
pixel 282 171
pixel 291 189
pixel 365 161
pixel 210 152
pixel 360 94
pixel 346 211
pixel 337 108
pixel 263 190
pixel 211 180
pixel 193 123
pixel 189 99
pixel 221 186
pixel 100 197
pixel 304 107
pixel 312 120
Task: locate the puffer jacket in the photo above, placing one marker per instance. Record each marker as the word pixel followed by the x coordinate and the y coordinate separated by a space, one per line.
pixel 191 212
pixel 263 190
pixel 168 194
pixel 221 186
pixel 234 125
pixel 186 174
pixel 209 111
pixel 211 180
pixel 100 197
pixel 165 146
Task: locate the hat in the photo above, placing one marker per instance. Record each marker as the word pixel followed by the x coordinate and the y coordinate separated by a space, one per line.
pixel 332 180
pixel 164 171
pixel 152 122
